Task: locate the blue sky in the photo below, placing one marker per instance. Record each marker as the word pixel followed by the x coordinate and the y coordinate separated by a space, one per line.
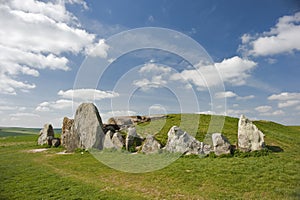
pixel 53 54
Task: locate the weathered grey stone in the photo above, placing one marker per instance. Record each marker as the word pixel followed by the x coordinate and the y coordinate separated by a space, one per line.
pixel 120 121
pixel 108 144
pixel 66 134
pixel 46 135
pixel 132 139
pixel 55 142
pixel 249 137
pixel 221 144
pixel 118 140
pixel 180 141
pixel 151 145
pixel 88 127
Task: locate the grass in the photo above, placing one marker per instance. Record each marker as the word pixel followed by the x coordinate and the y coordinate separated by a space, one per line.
pixel 47 175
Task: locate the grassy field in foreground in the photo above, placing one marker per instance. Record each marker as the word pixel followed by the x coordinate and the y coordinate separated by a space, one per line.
pixel 48 175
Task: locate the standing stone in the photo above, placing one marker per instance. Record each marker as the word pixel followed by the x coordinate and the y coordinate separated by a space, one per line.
pixel 118 140
pixel 46 135
pixel 66 131
pixel 108 144
pixel 221 144
pixel 180 141
pixel 249 137
pixel 151 145
pixel 88 127
pixel 132 139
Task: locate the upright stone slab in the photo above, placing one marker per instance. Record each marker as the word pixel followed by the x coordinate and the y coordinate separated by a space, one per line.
pixel 66 130
pixel 132 139
pixel 118 140
pixel 180 141
pixel 108 144
pixel 249 137
pixel 46 135
pixel 88 127
pixel 221 144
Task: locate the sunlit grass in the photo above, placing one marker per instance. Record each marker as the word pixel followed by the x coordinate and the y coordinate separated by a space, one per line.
pixel 48 175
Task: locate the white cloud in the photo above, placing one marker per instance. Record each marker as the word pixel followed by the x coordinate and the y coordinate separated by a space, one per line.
pixel 288 103
pixel 9 85
pixel 284 96
pixel 274 113
pixel 106 115
pixel 237 113
pixel 246 38
pixel 227 94
pixel 154 68
pixel 156 76
pixel 34 35
pixel 283 38
pixel 286 99
pixel 233 70
pixel 98 49
pixel 87 94
pixel 245 97
pixel 55 105
pixel 24 115
pixel 263 109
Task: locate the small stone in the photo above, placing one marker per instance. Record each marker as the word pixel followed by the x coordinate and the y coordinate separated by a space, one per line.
pixel 46 135
pixel 151 145
pixel 55 142
pixel 221 144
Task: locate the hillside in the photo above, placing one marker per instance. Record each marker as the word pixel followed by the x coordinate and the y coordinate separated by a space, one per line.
pixel 47 175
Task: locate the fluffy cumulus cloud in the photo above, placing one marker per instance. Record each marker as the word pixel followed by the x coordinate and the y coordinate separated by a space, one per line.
pixel 98 49
pixel 152 76
pixel 87 94
pixel 263 109
pixel 230 94
pixel 282 38
pixel 227 94
pixel 72 98
pixel 60 104
pixel 286 99
pixel 34 36
pixel 233 71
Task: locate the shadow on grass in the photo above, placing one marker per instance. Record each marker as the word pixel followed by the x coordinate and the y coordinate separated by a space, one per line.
pixel 275 149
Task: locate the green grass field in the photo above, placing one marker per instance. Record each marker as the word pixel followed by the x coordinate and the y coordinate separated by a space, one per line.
pixel 48 175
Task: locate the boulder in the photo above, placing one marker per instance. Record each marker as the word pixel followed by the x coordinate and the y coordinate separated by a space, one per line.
pixel 249 137
pixel 121 121
pixel 118 140
pixel 221 144
pixel 180 141
pixel 108 144
pixel 132 139
pixel 151 145
pixel 88 127
pixel 55 142
pixel 46 135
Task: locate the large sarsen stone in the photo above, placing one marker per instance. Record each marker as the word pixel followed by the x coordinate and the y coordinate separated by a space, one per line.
pixel 249 137
pixel 88 127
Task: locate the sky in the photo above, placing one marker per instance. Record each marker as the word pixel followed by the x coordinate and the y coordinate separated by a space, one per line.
pixel 138 57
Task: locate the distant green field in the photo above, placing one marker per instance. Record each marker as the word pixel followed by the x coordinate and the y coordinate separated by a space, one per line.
pixel 47 175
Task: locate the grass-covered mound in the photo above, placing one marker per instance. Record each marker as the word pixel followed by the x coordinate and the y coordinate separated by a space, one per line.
pixel 47 175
